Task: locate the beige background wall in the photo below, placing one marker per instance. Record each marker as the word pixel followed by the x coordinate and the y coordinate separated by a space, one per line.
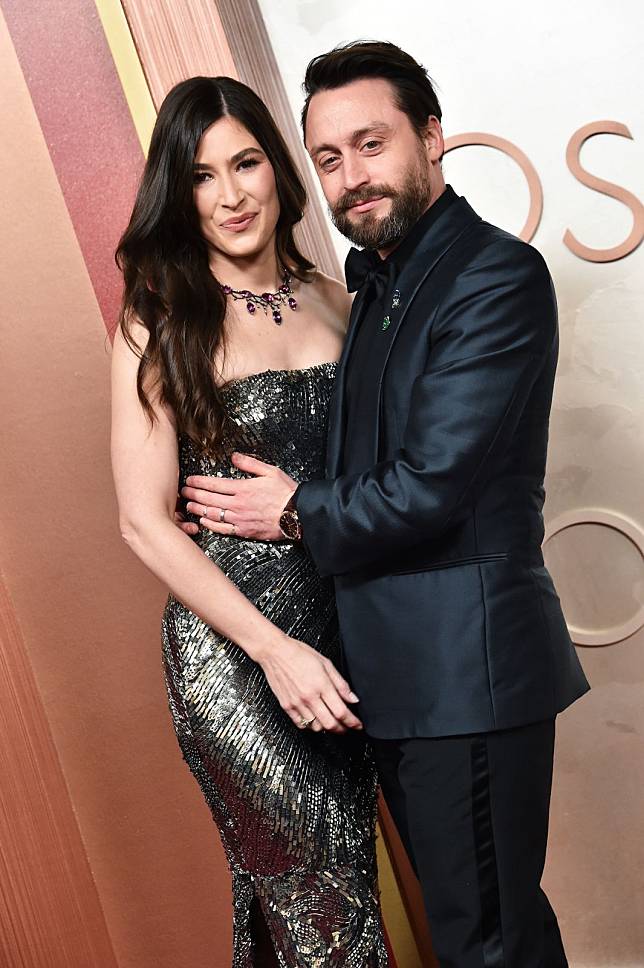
pixel 107 851
pixel 534 74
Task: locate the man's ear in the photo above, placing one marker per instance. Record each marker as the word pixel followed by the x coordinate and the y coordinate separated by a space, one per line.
pixel 433 139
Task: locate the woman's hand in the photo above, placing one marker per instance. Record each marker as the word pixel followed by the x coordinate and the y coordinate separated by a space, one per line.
pixel 308 687
pixel 187 526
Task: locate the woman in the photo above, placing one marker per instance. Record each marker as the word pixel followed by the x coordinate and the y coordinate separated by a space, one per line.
pixel 227 341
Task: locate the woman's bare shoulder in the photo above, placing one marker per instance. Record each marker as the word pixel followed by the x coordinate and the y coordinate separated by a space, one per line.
pixel 128 348
pixel 131 338
pixel 334 296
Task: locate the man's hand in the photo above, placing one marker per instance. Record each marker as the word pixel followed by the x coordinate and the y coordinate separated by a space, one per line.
pixel 247 508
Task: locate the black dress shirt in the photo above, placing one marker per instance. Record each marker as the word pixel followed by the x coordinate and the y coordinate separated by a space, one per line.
pixel 371 346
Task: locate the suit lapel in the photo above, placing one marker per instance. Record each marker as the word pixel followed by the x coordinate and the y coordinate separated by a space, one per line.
pixel 439 239
pixel 337 406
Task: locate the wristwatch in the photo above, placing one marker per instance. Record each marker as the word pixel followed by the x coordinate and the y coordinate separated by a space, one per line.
pixel 289 522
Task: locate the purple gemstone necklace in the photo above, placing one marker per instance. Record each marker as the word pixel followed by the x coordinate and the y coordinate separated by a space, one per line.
pixel 268 300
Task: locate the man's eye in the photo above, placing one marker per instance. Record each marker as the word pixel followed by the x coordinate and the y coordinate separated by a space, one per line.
pixel 371 144
pixel 328 161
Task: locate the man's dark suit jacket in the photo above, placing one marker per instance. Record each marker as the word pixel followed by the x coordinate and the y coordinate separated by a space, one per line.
pixel 450 622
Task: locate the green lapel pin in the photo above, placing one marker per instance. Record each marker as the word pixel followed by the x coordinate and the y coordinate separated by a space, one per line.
pixel 395 303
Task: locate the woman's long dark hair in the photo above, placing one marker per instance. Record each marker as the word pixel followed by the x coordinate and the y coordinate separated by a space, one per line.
pixel 163 256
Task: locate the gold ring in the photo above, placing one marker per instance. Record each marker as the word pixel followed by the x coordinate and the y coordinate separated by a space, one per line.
pixel 305 723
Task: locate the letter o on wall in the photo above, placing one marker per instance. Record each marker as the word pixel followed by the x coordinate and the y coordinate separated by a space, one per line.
pixel 634 534
pixel 524 163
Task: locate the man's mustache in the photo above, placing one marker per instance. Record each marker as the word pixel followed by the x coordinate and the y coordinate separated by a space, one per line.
pixel 349 199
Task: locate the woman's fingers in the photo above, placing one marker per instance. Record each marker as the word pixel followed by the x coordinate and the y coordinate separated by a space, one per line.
pixel 315 714
pixel 301 713
pixel 307 686
pixel 341 684
pixel 188 527
pixel 341 713
pixel 325 719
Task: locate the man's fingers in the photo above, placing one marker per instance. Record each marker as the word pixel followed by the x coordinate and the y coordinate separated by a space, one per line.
pixel 242 521
pixel 198 507
pixel 229 528
pixel 216 485
pixel 251 465
pixel 204 496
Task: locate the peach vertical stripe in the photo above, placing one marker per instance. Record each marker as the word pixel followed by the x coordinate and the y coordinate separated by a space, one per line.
pixel 178 39
pixel 50 913
pixel 88 614
pixel 256 64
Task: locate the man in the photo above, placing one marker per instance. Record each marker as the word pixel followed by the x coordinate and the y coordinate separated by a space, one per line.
pixel 430 517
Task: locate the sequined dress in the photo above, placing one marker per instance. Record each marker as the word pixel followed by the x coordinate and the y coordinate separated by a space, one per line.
pixel 295 809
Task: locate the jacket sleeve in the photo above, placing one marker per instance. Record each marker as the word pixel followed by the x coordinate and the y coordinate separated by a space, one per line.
pixel 491 335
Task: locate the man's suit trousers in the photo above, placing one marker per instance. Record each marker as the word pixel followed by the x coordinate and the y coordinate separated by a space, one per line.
pixel 472 812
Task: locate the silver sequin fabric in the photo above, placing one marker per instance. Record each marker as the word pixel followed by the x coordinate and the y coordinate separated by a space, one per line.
pixel 296 810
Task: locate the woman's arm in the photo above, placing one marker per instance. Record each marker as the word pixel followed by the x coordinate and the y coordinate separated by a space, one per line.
pixel 146 473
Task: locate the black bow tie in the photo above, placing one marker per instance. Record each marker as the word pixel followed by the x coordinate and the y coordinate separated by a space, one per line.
pixel 364 267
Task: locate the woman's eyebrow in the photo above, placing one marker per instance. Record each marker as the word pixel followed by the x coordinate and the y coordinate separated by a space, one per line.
pixel 245 151
pixel 202 166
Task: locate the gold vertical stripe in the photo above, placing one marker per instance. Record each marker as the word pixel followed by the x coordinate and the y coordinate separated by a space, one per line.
pixel 393 909
pixel 408 886
pixel 128 67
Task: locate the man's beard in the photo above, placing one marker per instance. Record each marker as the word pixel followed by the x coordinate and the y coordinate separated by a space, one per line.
pixel 408 203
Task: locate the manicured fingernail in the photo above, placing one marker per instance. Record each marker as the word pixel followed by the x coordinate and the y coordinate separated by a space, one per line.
pixel 353 697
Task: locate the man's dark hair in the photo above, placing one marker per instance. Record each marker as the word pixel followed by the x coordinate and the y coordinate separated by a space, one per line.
pixel 360 59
